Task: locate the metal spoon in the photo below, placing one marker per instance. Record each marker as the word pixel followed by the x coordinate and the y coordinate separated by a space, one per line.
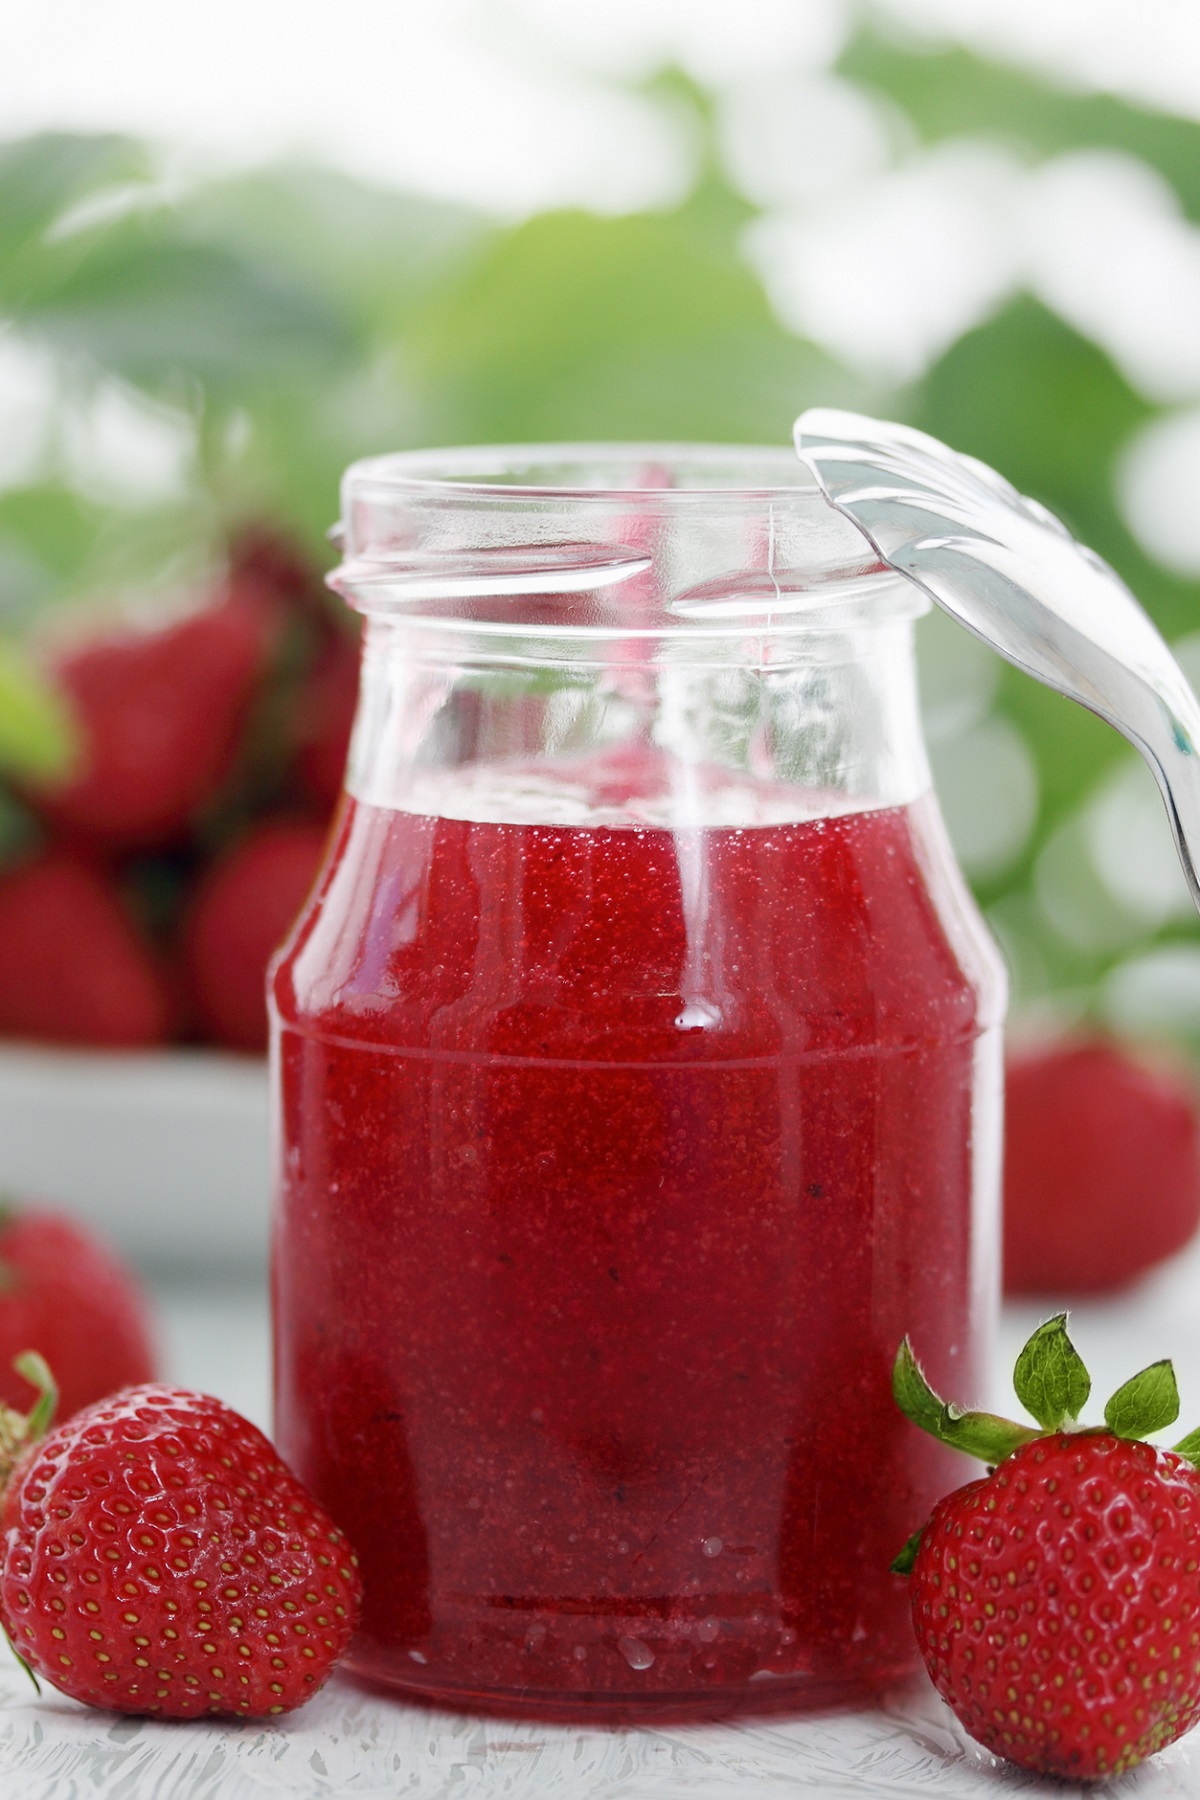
pixel 1012 573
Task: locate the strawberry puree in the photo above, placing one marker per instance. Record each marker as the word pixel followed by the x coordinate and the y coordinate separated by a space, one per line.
pixel 615 1163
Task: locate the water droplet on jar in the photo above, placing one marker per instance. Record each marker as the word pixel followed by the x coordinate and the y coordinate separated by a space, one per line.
pixel 535 1637
pixel 417 1656
pixel 636 1654
pixel 579 1653
pixel 712 1546
pixel 708 1630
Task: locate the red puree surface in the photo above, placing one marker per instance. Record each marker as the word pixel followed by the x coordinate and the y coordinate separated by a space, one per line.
pixel 615 1164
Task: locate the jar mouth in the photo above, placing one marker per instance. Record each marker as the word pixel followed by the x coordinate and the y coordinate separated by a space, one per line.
pixel 606 540
pixel 674 474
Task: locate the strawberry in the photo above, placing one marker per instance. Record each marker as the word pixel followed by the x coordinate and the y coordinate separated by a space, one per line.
pixel 324 713
pixel 159 714
pixel 158 1557
pixel 1057 1601
pixel 73 967
pixel 64 1290
pixel 238 917
pixel 1102 1167
pixel 263 558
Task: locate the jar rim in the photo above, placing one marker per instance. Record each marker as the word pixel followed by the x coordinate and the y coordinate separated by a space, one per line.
pixel 601 540
pixel 472 471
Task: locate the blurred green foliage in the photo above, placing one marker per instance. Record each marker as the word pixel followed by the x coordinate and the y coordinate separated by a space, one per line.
pixel 949 93
pixel 283 322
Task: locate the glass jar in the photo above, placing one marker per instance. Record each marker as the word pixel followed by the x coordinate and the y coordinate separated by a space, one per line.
pixel 637 1080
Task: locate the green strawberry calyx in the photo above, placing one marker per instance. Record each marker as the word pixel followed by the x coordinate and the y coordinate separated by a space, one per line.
pixel 8 1215
pixel 9 1212
pixel 19 1430
pixel 1053 1385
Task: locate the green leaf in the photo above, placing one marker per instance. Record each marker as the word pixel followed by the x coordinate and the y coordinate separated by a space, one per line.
pixel 902 1563
pixel 144 302
pixel 950 93
pixel 20 833
pixel 50 529
pixel 1149 1402
pixel 10 1279
pixel 33 1367
pixel 578 327
pixel 1050 1379
pixel 913 1394
pixel 1189 1447
pixel 43 177
pixel 376 252
pixel 982 1434
pixel 37 1686
pixel 37 735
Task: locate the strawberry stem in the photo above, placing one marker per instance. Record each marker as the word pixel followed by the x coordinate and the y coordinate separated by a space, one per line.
pixel 36 1371
pixel 19 1430
pixel 980 1434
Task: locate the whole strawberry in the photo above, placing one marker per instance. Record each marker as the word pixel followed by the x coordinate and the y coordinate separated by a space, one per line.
pixel 159 1558
pixel 64 1290
pixel 74 968
pixel 1057 1601
pixel 159 714
pixel 324 717
pixel 1101 1165
pixel 238 915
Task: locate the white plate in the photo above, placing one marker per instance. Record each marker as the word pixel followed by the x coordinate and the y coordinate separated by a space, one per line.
pixel 166 1153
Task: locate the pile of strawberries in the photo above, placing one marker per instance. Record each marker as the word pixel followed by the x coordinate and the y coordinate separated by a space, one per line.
pixel 165 867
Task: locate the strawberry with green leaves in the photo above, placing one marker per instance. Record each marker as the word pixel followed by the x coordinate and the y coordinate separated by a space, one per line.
pixel 1056 1602
pixel 157 1557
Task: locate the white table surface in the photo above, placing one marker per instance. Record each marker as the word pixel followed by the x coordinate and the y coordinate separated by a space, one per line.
pixel 349 1742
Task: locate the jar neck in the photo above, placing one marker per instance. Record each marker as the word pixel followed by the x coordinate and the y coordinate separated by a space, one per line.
pixel 725 731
